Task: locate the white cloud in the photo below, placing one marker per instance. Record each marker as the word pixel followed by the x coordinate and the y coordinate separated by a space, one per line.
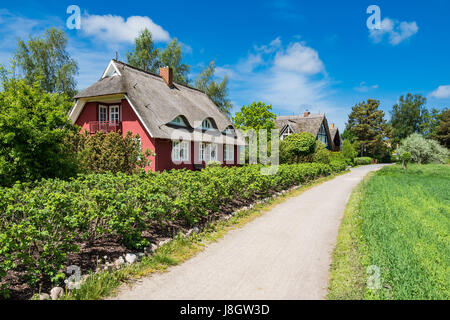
pixel 363 87
pixel 116 29
pixel 395 31
pixel 299 58
pixel 442 92
pixel 291 79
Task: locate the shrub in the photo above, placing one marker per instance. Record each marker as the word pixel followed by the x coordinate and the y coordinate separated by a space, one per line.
pixel 349 152
pixel 321 155
pixel 297 147
pixel 423 150
pixel 363 161
pixel 33 128
pixel 42 223
pixel 103 152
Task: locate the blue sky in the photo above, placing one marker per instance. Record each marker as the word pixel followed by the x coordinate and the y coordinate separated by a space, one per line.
pixel 295 55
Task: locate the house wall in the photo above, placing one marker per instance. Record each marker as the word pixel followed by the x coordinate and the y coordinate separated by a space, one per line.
pixel 164 156
pixel 162 148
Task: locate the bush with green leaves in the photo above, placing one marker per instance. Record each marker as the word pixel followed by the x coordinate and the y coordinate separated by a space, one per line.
pixel 349 152
pixel 33 130
pixel 297 147
pixel 322 154
pixel 41 223
pixel 423 150
pixel 361 161
pixel 103 152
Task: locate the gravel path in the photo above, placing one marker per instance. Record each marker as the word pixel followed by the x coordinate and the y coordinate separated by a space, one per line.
pixel 284 254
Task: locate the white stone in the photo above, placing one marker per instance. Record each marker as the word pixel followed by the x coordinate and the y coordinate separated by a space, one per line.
pixel 131 258
pixel 44 296
pixel 56 293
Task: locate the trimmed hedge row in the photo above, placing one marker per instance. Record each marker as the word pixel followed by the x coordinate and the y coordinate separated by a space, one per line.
pixel 41 223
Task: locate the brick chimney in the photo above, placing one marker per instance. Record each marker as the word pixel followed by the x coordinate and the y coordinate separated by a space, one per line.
pixel 166 73
pixel 306 114
pixel 331 125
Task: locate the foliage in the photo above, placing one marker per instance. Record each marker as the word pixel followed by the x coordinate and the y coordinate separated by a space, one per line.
pixel 144 54
pixel 256 116
pixel 297 147
pixel 41 223
pixel 405 157
pixel 349 152
pixel 46 60
pixel 33 129
pixel 367 125
pixel 172 57
pixel 423 150
pixel 408 116
pixel 216 91
pixel 361 161
pixel 321 155
pixel 103 152
pixel 441 131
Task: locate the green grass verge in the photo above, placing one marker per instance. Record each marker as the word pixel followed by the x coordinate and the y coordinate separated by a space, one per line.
pixel 400 222
pixel 180 249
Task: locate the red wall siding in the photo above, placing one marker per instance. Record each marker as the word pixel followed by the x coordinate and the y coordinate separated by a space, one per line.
pixel 89 113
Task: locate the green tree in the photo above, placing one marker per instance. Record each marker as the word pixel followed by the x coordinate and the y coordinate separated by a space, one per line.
pixel 172 57
pixel 371 132
pixel 423 150
pixel 322 154
pixel 441 130
pixel 256 116
pixel 33 129
pixel 216 91
pixel 408 116
pixel 144 54
pixel 46 60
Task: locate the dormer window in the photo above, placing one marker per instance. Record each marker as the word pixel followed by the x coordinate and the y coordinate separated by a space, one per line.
pixel 178 121
pixel 206 124
pixel 322 135
pixel 229 131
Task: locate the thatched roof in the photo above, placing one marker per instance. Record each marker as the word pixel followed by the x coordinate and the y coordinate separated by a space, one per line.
pixel 300 123
pixel 156 103
pixel 333 133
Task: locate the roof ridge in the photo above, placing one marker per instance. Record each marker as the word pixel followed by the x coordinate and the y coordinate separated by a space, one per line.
pixel 156 75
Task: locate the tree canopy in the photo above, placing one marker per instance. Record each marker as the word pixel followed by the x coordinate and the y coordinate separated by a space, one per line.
pixel 370 130
pixel 408 116
pixel 256 116
pixel 441 131
pixel 217 91
pixel 144 54
pixel 46 60
pixel 172 57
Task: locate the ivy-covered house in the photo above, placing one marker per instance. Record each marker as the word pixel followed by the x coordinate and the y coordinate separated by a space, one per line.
pixel 179 124
pixel 316 124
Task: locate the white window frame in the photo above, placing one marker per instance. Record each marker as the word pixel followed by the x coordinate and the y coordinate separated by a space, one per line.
pixel 179 121
pixel 100 108
pixel 287 132
pixel 114 110
pixel 180 151
pixel 207 124
pixel 229 152
pixel 206 150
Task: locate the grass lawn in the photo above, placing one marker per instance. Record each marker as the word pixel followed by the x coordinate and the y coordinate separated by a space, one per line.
pixel 399 222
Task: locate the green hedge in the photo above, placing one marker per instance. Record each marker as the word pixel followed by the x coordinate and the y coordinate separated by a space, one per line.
pixel 40 223
pixel 363 161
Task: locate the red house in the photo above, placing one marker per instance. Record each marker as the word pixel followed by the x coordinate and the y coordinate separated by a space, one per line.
pixel 180 124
